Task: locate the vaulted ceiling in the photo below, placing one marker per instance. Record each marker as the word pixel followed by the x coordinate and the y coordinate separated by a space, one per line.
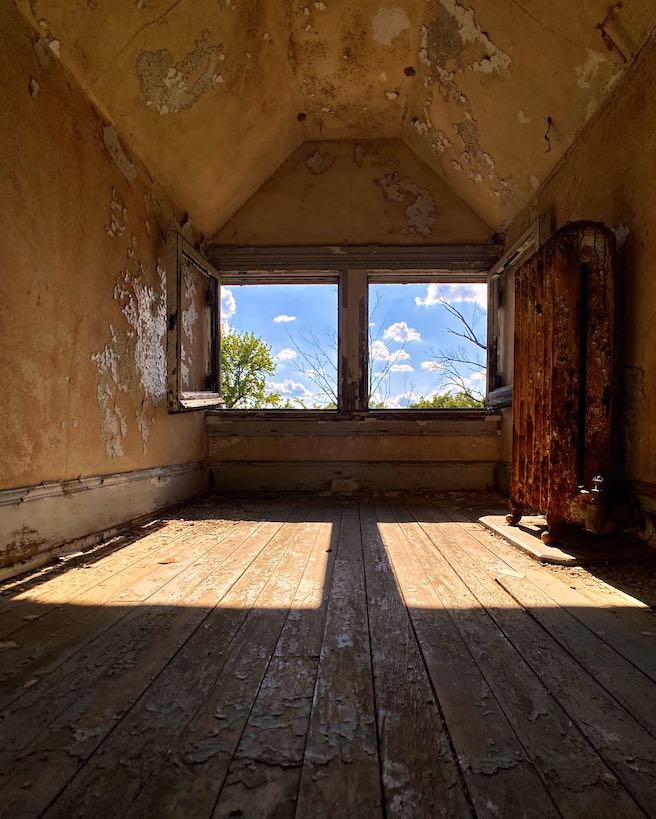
pixel 213 95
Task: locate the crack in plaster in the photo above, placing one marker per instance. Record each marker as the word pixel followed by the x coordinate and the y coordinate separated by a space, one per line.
pixel 169 87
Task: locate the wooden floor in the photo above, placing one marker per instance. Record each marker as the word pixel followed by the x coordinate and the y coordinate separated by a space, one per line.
pixel 322 658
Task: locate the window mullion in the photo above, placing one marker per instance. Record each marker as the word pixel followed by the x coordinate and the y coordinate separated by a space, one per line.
pixel 353 354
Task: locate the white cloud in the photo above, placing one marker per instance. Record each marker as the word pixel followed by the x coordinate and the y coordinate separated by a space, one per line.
pixel 400 400
pixel 430 365
pixel 380 352
pixel 477 377
pixel 401 332
pixel 228 304
pixel 402 368
pixel 286 355
pixel 289 387
pixel 284 318
pixel 454 293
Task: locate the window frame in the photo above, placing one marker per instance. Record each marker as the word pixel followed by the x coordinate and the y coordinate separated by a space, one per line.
pixel 352 268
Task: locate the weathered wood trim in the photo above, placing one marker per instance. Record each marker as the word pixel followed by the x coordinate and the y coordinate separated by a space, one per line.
pixel 448 258
pixel 432 476
pixel 218 424
pixel 392 416
pixel 353 353
pixel 177 251
pixel 537 235
pixel 500 397
pixel 39 522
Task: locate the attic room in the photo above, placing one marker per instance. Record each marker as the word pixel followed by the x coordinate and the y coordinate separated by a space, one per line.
pixel 328 478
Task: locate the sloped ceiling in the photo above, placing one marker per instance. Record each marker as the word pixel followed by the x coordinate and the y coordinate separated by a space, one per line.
pixel 213 95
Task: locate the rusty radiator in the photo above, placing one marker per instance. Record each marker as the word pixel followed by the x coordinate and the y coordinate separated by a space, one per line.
pixel 563 375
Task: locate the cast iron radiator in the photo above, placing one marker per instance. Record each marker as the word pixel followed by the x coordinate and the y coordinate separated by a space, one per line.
pixel 563 375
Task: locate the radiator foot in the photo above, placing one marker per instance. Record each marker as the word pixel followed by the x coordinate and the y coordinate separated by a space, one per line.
pixel 515 514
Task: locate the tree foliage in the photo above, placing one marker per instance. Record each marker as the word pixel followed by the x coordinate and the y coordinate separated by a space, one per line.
pixel 246 361
pixel 447 400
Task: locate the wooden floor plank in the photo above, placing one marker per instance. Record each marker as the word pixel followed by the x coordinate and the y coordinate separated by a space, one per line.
pixel 50 640
pixel 181 743
pixel 341 767
pixel 36 595
pixel 83 700
pixel 420 779
pixel 621 740
pixel 264 775
pixel 226 662
pixel 184 776
pixel 630 631
pixel 579 781
pixel 499 776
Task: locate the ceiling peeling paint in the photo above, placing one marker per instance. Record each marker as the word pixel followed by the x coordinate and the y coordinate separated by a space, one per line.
pixel 211 97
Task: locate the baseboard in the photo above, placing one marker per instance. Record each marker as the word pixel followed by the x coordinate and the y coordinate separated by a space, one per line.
pixel 35 521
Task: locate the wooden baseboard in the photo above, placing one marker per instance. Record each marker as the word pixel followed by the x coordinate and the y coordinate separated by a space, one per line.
pixel 35 521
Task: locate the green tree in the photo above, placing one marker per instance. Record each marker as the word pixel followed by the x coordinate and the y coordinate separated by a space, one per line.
pixel 246 361
pixel 458 400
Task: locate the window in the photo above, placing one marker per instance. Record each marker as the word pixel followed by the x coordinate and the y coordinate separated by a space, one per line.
pixel 279 346
pixel 427 345
pixel 347 328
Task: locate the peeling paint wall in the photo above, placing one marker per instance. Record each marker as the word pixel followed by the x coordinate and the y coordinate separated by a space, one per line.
pixel 82 307
pixel 216 94
pixel 609 176
pixel 503 90
pixel 354 192
pixel 202 90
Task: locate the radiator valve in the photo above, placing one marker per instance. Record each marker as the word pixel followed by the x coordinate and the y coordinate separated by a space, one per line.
pixel 596 510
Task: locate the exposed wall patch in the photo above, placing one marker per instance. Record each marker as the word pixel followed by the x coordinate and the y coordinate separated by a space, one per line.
pixel 133 361
pixel 320 161
pixel 118 216
pixel 388 24
pixel 169 87
pixel 421 212
pixel 588 71
pixel 113 145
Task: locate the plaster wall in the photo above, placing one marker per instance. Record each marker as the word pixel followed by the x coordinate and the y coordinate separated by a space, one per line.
pixel 82 305
pixel 354 191
pixel 608 176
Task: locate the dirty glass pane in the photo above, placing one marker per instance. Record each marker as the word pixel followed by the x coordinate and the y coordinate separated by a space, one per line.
pixel 279 346
pixel 427 345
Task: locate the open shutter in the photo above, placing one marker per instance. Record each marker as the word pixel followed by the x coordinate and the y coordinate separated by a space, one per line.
pixel 194 327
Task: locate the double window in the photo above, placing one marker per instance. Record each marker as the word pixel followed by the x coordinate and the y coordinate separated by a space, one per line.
pixel 335 329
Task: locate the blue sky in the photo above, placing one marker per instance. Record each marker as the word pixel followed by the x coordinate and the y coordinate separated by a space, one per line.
pixel 409 327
